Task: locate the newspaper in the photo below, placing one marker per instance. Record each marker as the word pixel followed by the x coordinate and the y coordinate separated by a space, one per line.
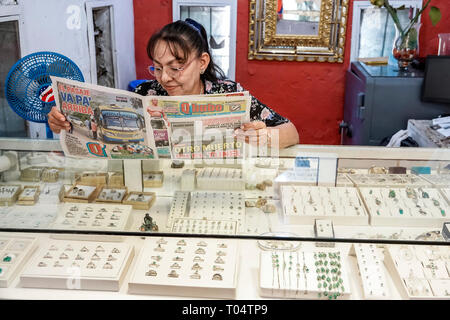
pixel 118 124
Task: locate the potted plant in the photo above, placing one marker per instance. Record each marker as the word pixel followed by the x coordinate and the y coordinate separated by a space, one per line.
pixel 406 43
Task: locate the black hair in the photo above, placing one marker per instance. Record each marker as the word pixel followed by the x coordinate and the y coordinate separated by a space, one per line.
pixel 182 38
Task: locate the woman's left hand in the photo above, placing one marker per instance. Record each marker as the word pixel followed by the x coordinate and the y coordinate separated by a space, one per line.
pixel 255 133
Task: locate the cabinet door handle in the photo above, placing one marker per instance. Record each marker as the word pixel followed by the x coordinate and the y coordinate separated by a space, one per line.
pixel 360 105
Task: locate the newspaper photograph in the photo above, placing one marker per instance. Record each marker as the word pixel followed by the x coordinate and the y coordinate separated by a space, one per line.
pixel 118 124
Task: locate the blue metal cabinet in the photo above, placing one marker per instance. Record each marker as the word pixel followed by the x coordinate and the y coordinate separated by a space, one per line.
pixel 379 101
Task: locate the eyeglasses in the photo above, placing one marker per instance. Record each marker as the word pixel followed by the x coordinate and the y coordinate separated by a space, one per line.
pixel 171 71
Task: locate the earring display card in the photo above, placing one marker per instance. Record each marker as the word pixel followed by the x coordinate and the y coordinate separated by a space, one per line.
pixel 93 216
pixel 81 193
pixel 370 264
pixel 200 226
pixel 153 179
pixel 303 275
pixel 86 265
pixel 14 252
pixel 108 194
pixel 203 205
pixel 30 217
pixel 388 180
pixel 220 179
pixel 29 195
pixel 140 200
pixel 405 207
pixel 422 271
pixel 9 194
pixel 191 267
pixel 342 205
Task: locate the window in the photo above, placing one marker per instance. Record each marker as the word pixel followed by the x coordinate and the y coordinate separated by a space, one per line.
pixel 11 125
pixel 101 44
pixel 373 29
pixel 219 19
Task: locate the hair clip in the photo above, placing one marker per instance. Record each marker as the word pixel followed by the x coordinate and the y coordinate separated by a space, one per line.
pixel 179 250
pixel 198 259
pixel 95 257
pixel 175 266
pixel 217 268
pixel 221 253
pixel 219 260
pixel 69 214
pixel 99 216
pixel 196 275
pixel 202 244
pixel 63 256
pixel 200 251
pixel 196 266
pixel 90 265
pixel 78 257
pixel 181 243
pixel 48 256
pixel 99 249
pixel 177 259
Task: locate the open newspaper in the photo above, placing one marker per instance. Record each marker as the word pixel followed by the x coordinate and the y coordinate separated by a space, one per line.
pixel 119 124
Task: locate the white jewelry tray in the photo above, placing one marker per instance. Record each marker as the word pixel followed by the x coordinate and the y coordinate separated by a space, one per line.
pixel 221 205
pixel 273 283
pixel 388 180
pixel 373 277
pixel 184 285
pixel 201 226
pixel 388 212
pixel 19 249
pixel 303 205
pixel 93 216
pixel 28 217
pixel 73 259
pixel 407 270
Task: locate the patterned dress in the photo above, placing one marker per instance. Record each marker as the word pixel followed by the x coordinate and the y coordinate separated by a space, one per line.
pixel 258 110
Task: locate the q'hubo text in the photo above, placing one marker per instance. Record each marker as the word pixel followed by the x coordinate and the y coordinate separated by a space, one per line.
pixel 75 99
pixel 191 108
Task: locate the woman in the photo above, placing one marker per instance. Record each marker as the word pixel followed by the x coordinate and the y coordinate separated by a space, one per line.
pixel 183 66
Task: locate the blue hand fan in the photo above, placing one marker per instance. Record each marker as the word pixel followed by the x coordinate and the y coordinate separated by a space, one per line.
pixel 28 86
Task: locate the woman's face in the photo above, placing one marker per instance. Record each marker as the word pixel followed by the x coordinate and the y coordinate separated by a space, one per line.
pixel 178 83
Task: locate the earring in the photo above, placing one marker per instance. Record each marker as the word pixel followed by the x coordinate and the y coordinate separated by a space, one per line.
pixel 202 71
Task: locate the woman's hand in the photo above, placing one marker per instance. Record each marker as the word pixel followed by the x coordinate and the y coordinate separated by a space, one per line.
pixel 57 121
pixel 255 133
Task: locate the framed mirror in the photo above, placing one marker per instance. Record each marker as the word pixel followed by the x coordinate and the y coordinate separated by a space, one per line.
pixel 298 30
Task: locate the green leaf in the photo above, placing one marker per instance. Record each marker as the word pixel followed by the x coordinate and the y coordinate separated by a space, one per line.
pixel 435 15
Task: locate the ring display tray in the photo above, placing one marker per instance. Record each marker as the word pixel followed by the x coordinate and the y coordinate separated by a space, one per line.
pixel 81 193
pixel 85 265
pixel 342 205
pixel 111 195
pixel 405 207
pixel 29 195
pixel 9 194
pixel 93 216
pixel 370 266
pixel 204 205
pixel 388 180
pixel 140 200
pixel 29 217
pixel 421 272
pixel 303 275
pixel 14 252
pixel 192 267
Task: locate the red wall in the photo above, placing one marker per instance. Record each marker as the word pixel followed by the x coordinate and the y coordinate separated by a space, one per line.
pixel 310 94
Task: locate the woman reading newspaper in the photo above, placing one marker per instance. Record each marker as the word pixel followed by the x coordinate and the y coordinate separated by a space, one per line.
pixel 183 66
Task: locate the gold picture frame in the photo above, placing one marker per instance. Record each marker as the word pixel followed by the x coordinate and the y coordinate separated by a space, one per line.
pixel 327 45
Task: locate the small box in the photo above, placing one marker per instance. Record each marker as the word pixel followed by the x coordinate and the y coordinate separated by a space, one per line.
pixel 32 174
pixel 29 195
pixel 111 194
pixel 9 194
pixel 92 178
pixel 81 193
pixel 50 175
pixel 140 200
pixel 153 179
pixel 115 179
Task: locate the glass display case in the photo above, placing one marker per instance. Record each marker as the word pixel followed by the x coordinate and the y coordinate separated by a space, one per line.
pixel 314 222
